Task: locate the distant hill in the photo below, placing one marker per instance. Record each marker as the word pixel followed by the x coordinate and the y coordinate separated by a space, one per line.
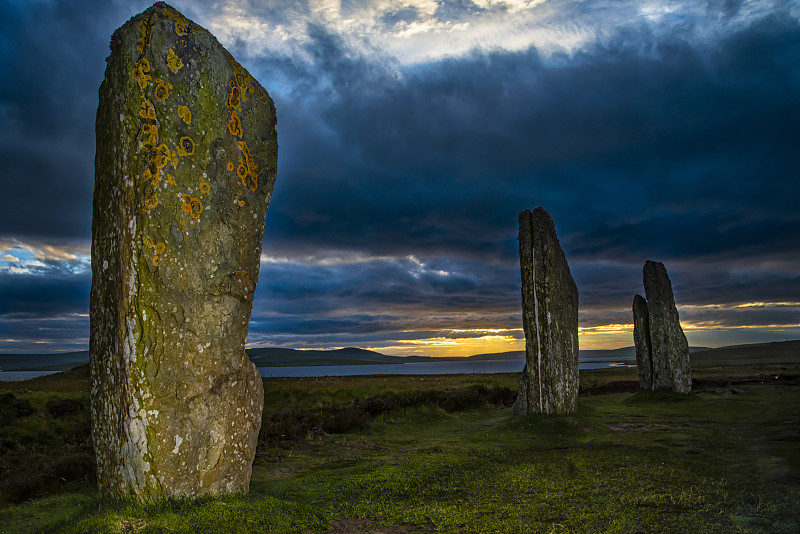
pixel 61 361
pixel 755 353
pixel 278 357
pixel 775 353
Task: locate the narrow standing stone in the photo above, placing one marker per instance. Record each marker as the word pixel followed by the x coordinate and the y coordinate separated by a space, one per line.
pixel 662 341
pixel 641 342
pixel 184 170
pixel 549 382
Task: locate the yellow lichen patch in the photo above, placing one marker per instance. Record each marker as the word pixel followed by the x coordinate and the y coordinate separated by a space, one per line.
pixel 235 124
pixel 185 113
pixel 186 146
pixel 234 97
pixel 147 111
pixel 181 26
pixel 162 90
pixel 150 177
pixel 140 73
pixel 244 275
pixel 148 242
pixel 161 156
pixel 181 22
pixel 156 261
pixel 170 179
pixel 204 187
pixel 241 203
pixel 145 27
pixel 151 133
pixel 173 61
pixel 242 79
pixel 151 202
pixel 230 165
pixel 192 206
pixel 160 248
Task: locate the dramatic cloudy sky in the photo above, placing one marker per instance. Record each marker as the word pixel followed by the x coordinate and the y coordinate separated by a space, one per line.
pixel 411 134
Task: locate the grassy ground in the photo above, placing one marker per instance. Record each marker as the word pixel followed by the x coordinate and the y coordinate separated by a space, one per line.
pixel 443 454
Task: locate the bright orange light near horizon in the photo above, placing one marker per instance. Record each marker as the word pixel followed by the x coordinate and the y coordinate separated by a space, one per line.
pixel 494 340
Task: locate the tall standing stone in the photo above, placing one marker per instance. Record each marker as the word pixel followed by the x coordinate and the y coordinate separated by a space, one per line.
pixel 662 352
pixel 184 170
pixel 549 382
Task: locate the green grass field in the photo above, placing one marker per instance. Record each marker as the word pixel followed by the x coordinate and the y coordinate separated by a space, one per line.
pixel 398 454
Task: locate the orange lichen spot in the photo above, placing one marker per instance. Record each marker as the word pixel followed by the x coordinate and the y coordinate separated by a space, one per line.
pixel 148 242
pixel 160 248
pixel 204 187
pixel 147 111
pixel 245 150
pixel 173 61
pixel 140 73
pixel 151 201
pixel 161 156
pixel 230 165
pixel 170 179
pixel 185 113
pixel 151 133
pixel 162 90
pixel 192 206
pixel 186 146
pixel 248 168
pixel 234 97
pixel 241 171
pixel 242 79
pixel 241 203
pixel 244 275
pixel 235 124
pixel 145 27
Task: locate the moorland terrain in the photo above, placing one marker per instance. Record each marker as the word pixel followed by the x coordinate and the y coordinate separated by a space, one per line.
pixel 442 453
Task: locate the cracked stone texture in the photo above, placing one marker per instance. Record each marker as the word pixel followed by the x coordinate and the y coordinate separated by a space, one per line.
pixel 184 170
pixel 549 382
pixel 668 353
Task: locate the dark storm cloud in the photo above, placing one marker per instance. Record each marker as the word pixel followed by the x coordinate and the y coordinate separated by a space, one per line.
pixel 676 152
pixel 52 60
pixel 400 288
pixel 650 143
pixel 643 147
pixel 51 292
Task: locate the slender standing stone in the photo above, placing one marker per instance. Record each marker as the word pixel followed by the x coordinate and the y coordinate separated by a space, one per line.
pixel 549 382
pixel 658 336
pixel 184 170
pixel 641 342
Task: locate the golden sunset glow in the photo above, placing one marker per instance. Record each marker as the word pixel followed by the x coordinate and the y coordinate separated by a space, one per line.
pixel 496 340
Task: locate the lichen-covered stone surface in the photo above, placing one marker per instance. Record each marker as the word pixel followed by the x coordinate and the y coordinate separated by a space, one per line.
pixel 184 170
pixel 662 342
pixel 549 382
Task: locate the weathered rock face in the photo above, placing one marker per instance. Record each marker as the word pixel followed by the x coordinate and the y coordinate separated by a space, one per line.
pixel 184 170
pixel 662 352
pixel 549 382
